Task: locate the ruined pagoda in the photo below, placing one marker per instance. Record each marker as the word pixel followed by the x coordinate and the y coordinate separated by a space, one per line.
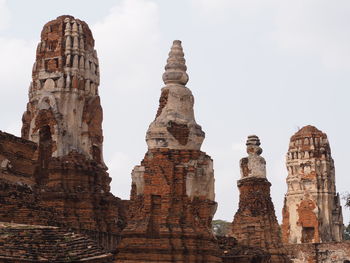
pixel 172 197
pixel 255 224
pixel 312 211
pixel 64 118
pixel 63 96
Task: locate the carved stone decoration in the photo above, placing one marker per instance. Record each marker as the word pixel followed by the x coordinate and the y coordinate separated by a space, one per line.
pixel 172 198
pixel 63 119
pixel 312 212
pixel 255 224
pixel 63 77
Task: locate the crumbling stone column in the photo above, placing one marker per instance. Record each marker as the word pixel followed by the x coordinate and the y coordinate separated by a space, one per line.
pixel 255 223
pixel 172 198
pixel 312 212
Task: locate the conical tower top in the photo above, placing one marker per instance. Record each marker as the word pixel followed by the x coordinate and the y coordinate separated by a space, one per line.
pixel 63 96
pixel 175 126
pixel 175 69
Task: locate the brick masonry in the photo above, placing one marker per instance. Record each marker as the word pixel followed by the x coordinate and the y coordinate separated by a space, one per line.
pixel 172 198
pixel 312 211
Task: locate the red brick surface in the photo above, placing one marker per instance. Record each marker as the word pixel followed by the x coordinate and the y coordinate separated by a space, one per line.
pixel 165 225
pixel 255 223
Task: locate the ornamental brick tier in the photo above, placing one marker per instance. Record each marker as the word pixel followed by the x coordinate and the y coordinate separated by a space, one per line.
pixel 312 211
pixel 172 197
pixel 255 224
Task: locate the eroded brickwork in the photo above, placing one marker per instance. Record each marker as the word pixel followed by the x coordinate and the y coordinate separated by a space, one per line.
pixel 63 95
pixel 312 211
pixel 333 252
pixel 18 159
pixel 255 223
pixel 172 199
pixel 33 243
pixel 79 190
pixel 57 165
pixel 232 252
pixel 55 176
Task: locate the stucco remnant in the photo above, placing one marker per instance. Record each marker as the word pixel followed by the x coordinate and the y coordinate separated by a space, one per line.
pixel 172 198
pixel 255 224
pixel 59 157
pixel 312 211
pixel 63 95
pixel 175 126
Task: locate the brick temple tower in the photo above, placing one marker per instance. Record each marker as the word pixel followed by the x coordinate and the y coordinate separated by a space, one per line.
pixel 64 107
pixel 172 197
pixel 64 118
pixel 255 223
pixel 312 211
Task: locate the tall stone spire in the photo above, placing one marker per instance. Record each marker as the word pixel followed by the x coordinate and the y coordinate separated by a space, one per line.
pixel 64 118
pixel 172 198
pixel 175 126
pixel 312 211
pixel 64 107
pixel 255 224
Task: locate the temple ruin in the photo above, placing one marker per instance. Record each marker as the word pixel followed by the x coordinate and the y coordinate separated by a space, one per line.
pixel 58 161
pixel 172 198
pixel 55 199
pixel 312 211
pixel 255 223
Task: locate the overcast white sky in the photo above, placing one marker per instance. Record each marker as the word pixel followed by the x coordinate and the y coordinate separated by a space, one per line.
pixel 256 67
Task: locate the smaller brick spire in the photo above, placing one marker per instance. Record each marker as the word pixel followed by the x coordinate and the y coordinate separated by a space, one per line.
pixel 255 224
pixel 175 69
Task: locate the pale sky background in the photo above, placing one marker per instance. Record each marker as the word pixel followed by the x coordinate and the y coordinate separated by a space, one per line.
pixel 263 67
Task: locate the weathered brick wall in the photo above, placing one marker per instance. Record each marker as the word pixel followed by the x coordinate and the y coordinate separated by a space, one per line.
pixel 255 223
pixel 17 159
pixel 70 191
pixel 19 203
pixel 165 224
pixel 333 252
pixel 32 243
pixel 232 252
pixel 19 195
pixel 79 190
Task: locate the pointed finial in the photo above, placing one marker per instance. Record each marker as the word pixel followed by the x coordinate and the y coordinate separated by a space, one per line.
pixel 175 69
